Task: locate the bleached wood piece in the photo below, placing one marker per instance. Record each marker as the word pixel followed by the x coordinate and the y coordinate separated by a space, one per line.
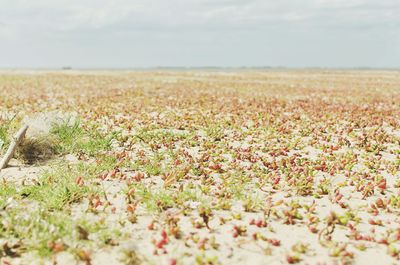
pixel 13 146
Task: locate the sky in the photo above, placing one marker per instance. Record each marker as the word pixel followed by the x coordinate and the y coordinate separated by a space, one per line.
pixel 198 33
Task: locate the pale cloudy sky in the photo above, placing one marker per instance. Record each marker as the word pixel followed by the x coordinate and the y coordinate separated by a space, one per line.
pixel 149 33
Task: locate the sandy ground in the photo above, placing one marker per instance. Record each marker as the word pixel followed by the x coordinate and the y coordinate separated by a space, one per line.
pixel 231 250
pixel 323 217
pixel 241 250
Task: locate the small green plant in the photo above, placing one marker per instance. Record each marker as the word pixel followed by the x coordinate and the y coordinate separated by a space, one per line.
pixel 72 139
pixel 6 130
pixel 57 188
pixel 38 230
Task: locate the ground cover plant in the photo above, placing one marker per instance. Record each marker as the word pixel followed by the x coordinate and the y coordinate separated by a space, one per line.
pixel 252 167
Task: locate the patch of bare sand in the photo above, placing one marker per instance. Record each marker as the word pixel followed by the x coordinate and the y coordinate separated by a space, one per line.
pixel 20 174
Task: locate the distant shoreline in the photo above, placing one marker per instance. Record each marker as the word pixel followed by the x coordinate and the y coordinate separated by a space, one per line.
pixel 211 68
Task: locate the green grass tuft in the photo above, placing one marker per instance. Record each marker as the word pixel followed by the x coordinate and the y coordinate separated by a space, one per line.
pixel 72 139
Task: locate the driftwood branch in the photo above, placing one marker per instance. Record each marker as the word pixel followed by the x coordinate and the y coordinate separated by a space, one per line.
pixel 13 146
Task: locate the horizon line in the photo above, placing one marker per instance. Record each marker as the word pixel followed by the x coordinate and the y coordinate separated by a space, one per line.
pixel 71 68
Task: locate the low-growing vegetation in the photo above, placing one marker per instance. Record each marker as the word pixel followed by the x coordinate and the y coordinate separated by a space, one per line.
pixel 203 168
